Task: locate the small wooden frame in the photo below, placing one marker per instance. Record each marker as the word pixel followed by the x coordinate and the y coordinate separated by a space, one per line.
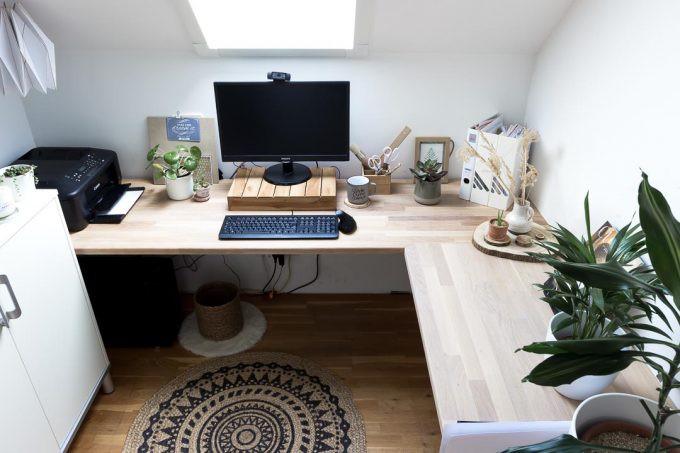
pixel 441 149
pixel 250 192
pixel 383 183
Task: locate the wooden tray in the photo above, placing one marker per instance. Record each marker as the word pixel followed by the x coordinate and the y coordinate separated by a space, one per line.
pixel 512 251
pixel 250 192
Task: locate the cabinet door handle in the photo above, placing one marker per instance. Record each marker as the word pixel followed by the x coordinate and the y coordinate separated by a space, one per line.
pixel 16 313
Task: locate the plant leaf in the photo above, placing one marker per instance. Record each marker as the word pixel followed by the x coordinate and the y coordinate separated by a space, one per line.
pixel 663 236
pixel 171 157
pixel 195 152
pixel 190 164
pixel 152 153
pixel 565 368
pixel 590 346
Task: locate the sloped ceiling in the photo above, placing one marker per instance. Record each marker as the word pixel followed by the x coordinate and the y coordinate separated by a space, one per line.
pixel 461 26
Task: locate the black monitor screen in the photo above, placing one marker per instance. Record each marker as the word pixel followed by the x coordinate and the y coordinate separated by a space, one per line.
pixel 281 121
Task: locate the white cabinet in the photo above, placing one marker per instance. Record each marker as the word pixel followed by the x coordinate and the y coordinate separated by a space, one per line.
pixel 53 328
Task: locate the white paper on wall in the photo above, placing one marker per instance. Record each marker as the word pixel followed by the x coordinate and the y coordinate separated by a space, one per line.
pixel 36 49
pixel 10 54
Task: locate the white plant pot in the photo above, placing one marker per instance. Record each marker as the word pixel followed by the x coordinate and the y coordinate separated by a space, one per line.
pixel 22 186
pixel 618 407
pixel 180 188
pixel 586 386
pixel 521 218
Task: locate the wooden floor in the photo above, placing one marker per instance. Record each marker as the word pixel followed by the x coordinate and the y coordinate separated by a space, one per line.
pixel 372 342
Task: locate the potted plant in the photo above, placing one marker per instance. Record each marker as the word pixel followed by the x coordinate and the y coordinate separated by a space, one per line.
pixel 498 228
pixel 20 179
pixel 584 312
pixel 176 167
pixel 201 189
pixel 429 176
pixel 572 359
pixel 520 219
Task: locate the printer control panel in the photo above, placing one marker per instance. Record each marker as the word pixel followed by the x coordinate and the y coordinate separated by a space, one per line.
pixel 88 165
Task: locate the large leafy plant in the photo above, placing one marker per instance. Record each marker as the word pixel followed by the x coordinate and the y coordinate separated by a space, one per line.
pixel 572 359
pixel 594 312
pixel 175 163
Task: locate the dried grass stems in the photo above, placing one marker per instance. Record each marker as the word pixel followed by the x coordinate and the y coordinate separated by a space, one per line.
pixel 528 173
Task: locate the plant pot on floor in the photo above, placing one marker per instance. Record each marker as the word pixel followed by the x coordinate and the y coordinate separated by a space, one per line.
pixel 618 412
pixel 428 192
pixel 586 386
pixel 180 188
pixel 218 310
pixel 22 185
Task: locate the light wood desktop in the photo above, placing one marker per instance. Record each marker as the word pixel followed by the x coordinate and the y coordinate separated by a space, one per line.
pixel 474 310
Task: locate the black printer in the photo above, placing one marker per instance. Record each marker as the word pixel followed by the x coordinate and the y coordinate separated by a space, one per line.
pixel 88 180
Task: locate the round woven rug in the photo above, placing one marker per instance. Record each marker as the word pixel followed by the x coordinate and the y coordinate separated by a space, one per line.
pixel 251 402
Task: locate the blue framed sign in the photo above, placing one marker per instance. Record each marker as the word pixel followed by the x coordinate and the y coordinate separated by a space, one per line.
pixel 183 129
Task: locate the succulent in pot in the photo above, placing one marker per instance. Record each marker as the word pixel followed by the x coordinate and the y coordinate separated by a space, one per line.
pixel 176 166
pixel 429 176
pixel 20 179
pixel 572 359
pixel 201 189
pixel 498 228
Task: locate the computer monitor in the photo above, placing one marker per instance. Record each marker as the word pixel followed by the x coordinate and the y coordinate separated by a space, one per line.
pixel 283 122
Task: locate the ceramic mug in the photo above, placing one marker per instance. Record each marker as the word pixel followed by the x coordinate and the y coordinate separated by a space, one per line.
pixel 7 204
pixel 358 189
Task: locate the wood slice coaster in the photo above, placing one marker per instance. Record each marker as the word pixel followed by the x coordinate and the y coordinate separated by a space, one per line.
pixel 511 251
pixel 357 206
pixel 497 243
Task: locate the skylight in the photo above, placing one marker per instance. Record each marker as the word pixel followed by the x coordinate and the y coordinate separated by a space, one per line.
pixel 276 24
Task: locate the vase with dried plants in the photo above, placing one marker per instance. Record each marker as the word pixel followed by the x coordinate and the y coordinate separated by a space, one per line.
pixel 518 184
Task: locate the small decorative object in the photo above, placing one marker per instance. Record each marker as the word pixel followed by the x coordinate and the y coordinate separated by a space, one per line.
pixel 20 179
pixel 358 190
pixel 539 236
pixel 7 205
pixel 218 310
pixel 201 189
pixel 429 176
pixel 498 229
pixel 438 149
pixel 378 168
pixel 524 240
pixel 633 293
pixel 176 167
pixel 520 219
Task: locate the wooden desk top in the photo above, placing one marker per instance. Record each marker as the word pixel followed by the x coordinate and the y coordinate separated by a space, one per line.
pixel 474 311
pixel 157 225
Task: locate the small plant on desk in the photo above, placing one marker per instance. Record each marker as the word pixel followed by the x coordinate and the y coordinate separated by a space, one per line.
pixel 201 188
pixel 429 176
pixel 498 228
pixel 176 167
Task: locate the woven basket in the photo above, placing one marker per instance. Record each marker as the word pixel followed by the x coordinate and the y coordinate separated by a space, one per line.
pixel 218 310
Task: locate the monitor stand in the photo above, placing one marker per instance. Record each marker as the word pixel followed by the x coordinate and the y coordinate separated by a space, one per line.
pixel 287 174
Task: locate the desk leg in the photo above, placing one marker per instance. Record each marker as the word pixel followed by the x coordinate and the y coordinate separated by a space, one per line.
pixel 107 384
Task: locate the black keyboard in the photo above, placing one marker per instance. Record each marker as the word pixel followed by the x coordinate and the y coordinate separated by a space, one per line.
pixel 279 227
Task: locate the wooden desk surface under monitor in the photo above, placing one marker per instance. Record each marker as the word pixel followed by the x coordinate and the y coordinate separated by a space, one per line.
pixel 157 225
pixel 474 311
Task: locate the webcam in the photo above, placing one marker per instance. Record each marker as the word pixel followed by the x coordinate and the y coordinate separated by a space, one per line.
pixel 280 76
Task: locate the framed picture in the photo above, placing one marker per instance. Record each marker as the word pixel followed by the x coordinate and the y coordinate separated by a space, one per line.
pixel 438 148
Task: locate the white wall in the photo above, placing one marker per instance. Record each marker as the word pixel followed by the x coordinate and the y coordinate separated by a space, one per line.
pixel 15 133
pixel 605 97
pixel 104 98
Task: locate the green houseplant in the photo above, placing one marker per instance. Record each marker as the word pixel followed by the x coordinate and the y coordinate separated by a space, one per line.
pixel 176 166
pixel 201 188
pixel 19 179
pixel 498 228
pixel 572 359
pixel 428 175
pixel 583 311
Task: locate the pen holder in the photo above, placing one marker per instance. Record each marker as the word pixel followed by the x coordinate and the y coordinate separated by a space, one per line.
pixel 383 183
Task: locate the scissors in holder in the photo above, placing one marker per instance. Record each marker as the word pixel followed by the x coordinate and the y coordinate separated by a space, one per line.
pixel 379 163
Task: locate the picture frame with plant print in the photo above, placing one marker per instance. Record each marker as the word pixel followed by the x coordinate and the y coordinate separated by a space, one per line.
pixel 438 148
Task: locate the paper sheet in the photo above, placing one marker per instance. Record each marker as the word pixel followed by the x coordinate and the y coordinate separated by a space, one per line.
pixel 124 203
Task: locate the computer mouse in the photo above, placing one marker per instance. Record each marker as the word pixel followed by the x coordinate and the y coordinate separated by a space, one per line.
pixel 347 223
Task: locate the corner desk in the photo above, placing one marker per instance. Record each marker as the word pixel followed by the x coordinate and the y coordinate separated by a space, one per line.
pixel 474 310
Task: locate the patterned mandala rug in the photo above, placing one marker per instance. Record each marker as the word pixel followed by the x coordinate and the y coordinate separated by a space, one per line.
pixel 251 402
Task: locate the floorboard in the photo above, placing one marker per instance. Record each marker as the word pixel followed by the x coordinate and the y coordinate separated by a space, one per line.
pixel 371 342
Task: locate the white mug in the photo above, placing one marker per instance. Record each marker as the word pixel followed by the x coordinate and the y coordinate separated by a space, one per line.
pixel 358 189
pixel 7 205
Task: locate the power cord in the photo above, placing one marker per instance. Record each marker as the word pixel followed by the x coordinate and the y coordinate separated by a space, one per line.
pixel 316 276
pixel 238 279
pixel 189 263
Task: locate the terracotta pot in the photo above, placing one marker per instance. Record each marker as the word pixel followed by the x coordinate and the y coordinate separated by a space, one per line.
pixel 498 233
pixel 612 426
